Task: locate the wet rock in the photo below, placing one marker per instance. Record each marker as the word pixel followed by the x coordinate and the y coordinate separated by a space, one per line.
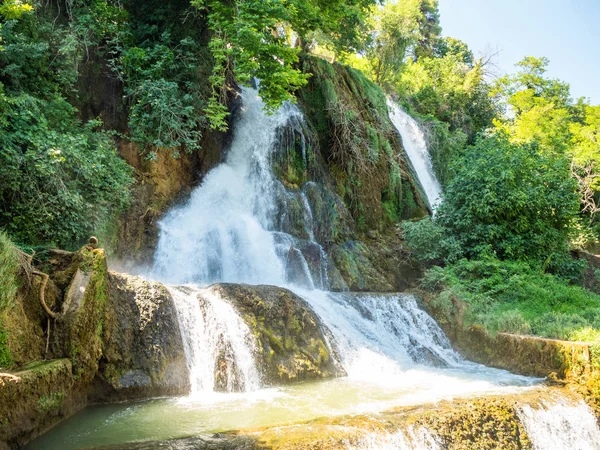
pixel 41 398
pixel 291 345
pixel 379 264
pixel 143 351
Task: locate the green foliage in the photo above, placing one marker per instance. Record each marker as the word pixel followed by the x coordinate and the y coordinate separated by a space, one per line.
pixel 394 29
pixel 431 242
pixel 514 297
pixel 5 356
pixel 450 87
pixel 59 180
pixel 9 270
pixel 253 39
pixel 540 109
pixel 163 86
pixel 511 200
pixel 444 147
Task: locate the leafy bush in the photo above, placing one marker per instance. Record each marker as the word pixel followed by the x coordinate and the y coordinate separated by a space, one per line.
pixel 60 180
pixel 431 242
pixel 505 200
pixel 511 198
pixel 164 88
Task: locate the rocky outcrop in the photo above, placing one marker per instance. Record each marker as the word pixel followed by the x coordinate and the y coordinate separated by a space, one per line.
pixel 114 338
pixel 143 352
pixel 363 159
pixel 41 397
pixel 378 263
pixel 159 183
pixel 291 342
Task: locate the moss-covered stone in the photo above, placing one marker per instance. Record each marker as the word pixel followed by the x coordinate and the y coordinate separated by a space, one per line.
pixel 289 336
pixel 143 352
pixel 39 400
pixel 80 326
pixel 363 153
pixel 379 263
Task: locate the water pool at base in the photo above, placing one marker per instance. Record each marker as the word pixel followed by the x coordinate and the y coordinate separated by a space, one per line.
pixel 167 418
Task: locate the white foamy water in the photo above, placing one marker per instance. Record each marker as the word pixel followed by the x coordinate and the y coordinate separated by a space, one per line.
pixel 215 339
pixel 223 233
pixel 389 341
pixel 416 149
pixel 560 426
pixel 226 233
pixel 411 439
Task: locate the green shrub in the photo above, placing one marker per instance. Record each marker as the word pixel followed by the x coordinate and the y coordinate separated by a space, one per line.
pixel 512 199
pixel 431 242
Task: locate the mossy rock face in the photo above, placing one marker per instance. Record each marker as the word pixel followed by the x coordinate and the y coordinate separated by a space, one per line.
pixel 380 263
pixel 291 345
pixel 362 153
pixel 143 353
pixel 80 325
pixel 40 399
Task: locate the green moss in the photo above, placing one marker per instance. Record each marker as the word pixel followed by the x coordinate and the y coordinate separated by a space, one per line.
pixel 5 356
pixel 9 270
pixel 373 141
pixel 50 404
pixel 349 114
pixel 86 330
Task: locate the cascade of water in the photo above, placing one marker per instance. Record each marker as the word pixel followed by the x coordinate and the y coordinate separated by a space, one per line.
pixel 217 343
pixel 308 217
pixel 223 232
pixel 561 426
pixel 416 149
pixel 380 333
pixel 227 232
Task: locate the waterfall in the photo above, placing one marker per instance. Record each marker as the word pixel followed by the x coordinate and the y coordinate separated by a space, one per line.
pixel 228 232
pixel 389 339
pixel 381 334
pixel 224 231
pixel 560 425
pixel 416 149
pixel 217 343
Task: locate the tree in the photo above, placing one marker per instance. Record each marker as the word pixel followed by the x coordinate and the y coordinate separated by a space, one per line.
pixel 394 30
pixel 250 39
pixel 513 199
pixel 537 109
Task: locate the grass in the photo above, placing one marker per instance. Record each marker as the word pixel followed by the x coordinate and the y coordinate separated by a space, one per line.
pixel 9 270
pixel 509 296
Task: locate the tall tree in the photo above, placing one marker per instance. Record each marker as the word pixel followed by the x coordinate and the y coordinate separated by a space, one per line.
pixel 250 38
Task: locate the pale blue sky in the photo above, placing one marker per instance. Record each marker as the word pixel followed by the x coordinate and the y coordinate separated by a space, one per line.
pixel 565 31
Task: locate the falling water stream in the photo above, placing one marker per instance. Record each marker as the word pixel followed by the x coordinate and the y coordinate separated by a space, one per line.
pixel 393 352
pixel 415 145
